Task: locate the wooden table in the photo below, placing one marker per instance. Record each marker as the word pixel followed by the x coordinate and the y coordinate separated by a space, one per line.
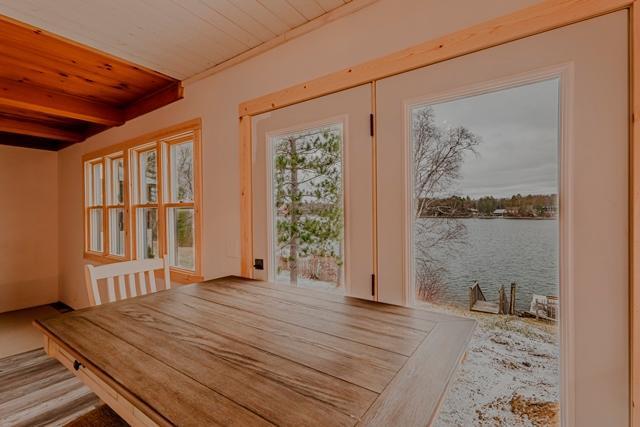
pixel 237 352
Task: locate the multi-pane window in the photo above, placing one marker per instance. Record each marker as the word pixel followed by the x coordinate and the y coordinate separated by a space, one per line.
pixel 180 204
pixel 150 188
pixel 105 205
pixel 94 178
pixel 115 206
pixel 145 207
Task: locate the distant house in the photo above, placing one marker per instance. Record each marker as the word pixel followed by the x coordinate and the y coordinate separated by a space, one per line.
pixel 499 212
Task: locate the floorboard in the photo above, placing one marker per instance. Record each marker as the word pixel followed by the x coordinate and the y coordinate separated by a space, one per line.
pixel 36 390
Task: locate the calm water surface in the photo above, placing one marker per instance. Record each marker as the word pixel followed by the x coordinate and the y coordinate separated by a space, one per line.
pixel 500 251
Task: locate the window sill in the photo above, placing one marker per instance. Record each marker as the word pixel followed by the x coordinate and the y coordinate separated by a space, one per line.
pixel 177 275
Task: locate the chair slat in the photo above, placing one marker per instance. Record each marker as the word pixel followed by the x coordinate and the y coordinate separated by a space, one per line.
pixel 132 285
pixel 92 285
pixel 152 281
pixel 121 285
pixel 111 290
pixel 141 282
pixel 96 276
pixel 167 274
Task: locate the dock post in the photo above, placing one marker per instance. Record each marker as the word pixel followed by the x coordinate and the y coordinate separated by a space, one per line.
pixel 502 303
pixel 473 294
pixel 512 301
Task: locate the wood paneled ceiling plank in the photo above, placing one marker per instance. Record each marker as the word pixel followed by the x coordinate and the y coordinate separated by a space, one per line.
pixel 41 100
pixel 263 15
pixel 198 35
pixel 327 5
pixel 286 11
pixel 209 14
pixel 309 8
pixel 240 18
pixel 205 31
pixel 40 130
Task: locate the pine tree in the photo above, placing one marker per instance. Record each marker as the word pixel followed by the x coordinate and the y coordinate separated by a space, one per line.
pixel 308 196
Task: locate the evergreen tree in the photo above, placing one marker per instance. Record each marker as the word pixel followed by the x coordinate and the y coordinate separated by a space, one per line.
pixel 308 196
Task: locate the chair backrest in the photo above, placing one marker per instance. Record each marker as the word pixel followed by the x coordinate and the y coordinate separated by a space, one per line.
pixel 115 276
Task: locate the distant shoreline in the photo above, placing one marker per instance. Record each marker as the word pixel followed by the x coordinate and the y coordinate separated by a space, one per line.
pixel 537 218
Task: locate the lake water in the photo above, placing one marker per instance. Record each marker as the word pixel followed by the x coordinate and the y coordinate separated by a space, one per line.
pixel 501 251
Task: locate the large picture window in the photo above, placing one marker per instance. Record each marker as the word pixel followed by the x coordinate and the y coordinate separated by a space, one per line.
pixel 142 200
pixel 307 212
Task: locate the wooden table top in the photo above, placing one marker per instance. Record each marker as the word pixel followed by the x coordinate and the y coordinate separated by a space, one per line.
pixel 237 352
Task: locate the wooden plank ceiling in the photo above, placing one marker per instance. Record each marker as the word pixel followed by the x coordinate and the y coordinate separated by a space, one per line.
pixel 179 38
pixel 55 92
pixel 68 68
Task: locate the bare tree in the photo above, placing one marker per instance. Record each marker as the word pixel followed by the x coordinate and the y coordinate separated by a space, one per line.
pixel 438 154
pixel 184 169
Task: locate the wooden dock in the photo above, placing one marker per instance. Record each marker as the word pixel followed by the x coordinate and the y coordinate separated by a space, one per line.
pixel 478 302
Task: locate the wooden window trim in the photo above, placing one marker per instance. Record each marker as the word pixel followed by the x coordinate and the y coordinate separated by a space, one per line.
pixel 157 140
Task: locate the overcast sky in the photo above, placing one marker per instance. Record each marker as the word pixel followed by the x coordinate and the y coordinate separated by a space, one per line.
pixel 519 148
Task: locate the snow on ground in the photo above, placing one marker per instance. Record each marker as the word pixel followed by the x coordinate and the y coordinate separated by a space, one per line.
pixel 510 376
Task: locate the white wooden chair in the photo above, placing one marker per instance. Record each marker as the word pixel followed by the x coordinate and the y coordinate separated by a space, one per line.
pixel 122 272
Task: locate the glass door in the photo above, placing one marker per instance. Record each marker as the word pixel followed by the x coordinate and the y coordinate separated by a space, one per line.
pixel 492 169
pixel 312 186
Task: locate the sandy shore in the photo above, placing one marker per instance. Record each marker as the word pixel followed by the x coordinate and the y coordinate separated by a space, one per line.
pixel 510 376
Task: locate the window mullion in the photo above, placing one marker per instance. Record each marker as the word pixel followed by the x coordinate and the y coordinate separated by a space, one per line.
pixel 126 202
pixel 160 185
pixel 105 211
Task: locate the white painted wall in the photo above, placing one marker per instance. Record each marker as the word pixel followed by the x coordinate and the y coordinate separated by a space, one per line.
pixel 28 228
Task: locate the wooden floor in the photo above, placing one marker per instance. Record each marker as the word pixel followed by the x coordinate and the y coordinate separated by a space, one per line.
pixel 36 390
pixel 254 353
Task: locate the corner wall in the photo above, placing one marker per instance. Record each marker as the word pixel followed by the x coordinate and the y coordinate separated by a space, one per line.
pixel 379 29
pixel 28 228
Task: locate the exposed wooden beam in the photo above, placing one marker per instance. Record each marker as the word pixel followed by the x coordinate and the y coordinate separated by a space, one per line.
pixel 31 98
pixel 26 141
pixel 37 129
pixel 171 93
